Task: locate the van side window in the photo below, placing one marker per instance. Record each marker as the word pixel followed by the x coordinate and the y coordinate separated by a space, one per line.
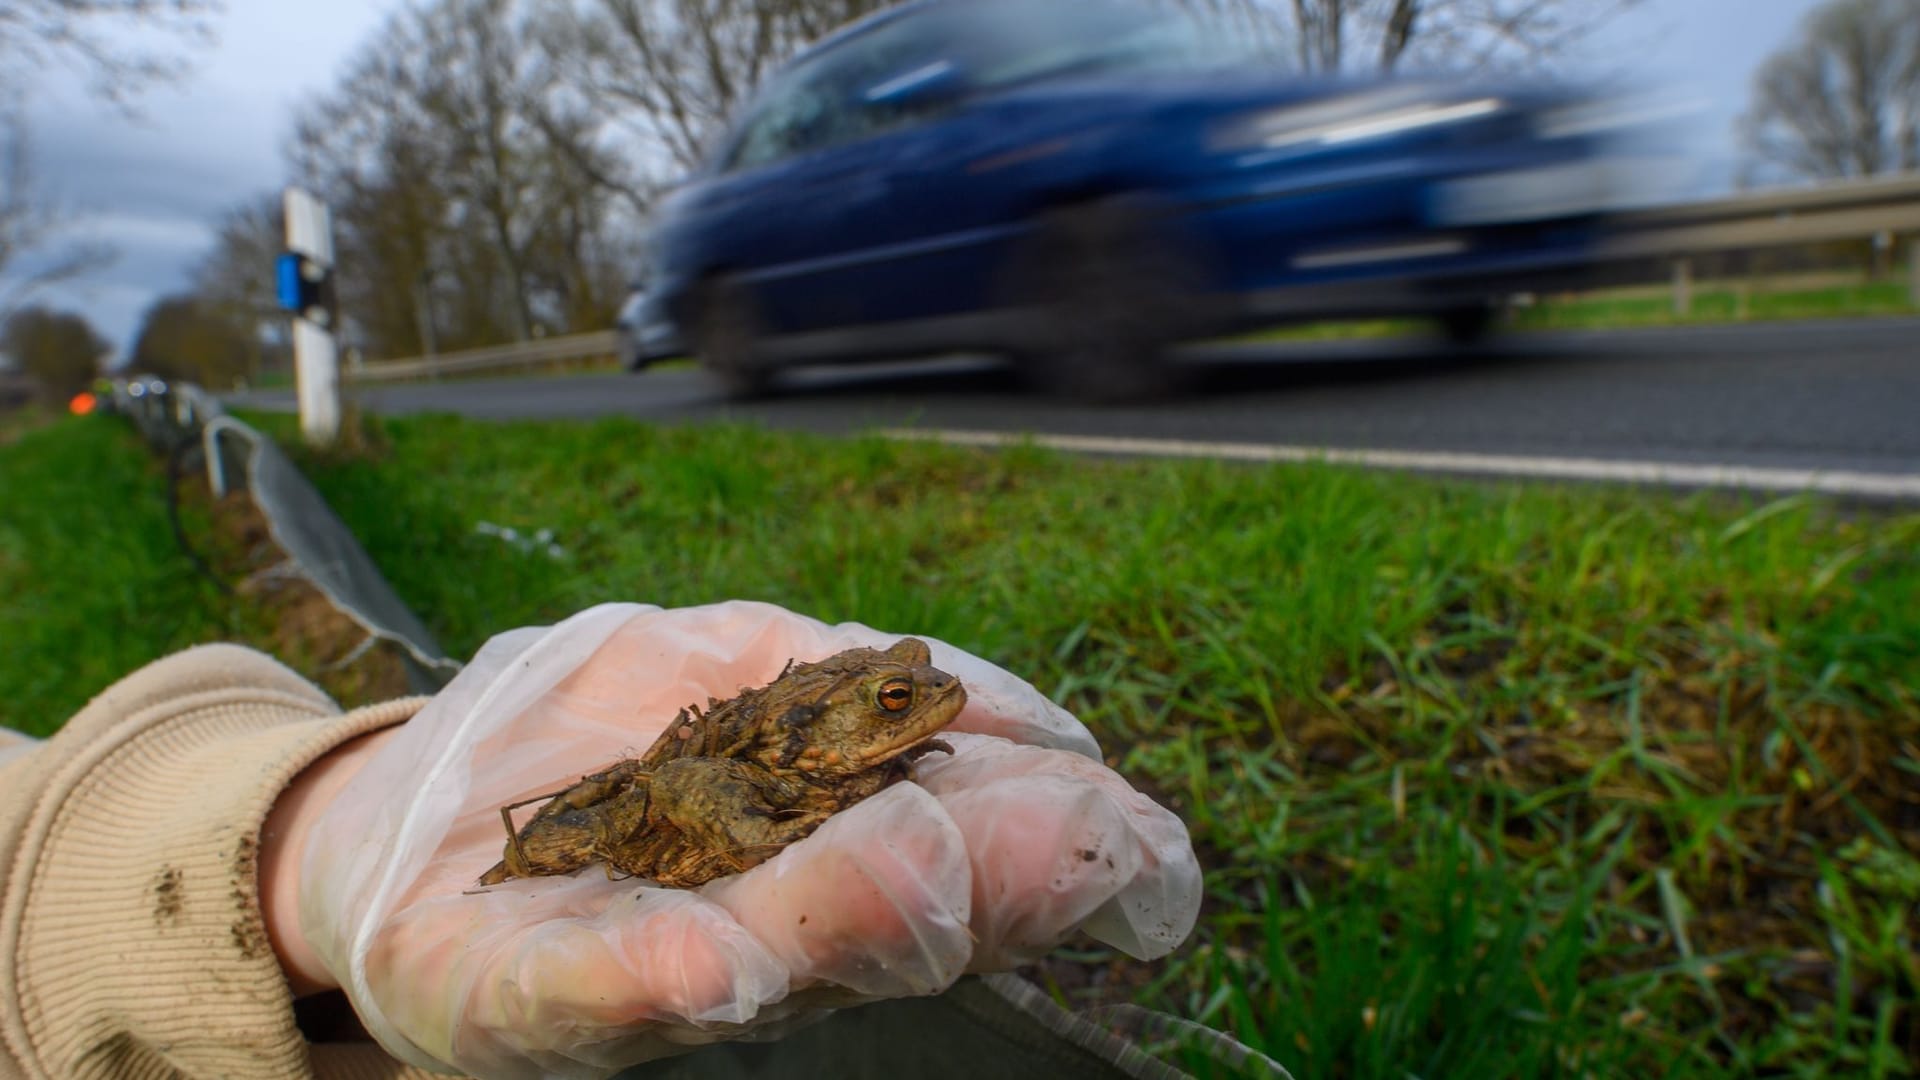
pixel 825 103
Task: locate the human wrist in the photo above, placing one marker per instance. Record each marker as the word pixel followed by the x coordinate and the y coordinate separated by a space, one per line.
pixel 282 842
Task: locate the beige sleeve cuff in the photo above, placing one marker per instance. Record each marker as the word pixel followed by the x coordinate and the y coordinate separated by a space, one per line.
pixel 131 937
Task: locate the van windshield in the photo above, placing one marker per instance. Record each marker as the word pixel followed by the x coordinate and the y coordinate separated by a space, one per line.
pixel 1015 41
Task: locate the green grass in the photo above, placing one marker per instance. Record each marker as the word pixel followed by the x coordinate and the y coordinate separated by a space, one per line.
pixel 1717 304
pixel 1680 690
pixel 1713 303
pixel 92 583
pixel 276 379
pixel 1479 972
pixel 1490 780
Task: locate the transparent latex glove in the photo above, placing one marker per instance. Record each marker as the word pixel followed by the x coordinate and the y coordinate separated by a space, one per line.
pixel 992 856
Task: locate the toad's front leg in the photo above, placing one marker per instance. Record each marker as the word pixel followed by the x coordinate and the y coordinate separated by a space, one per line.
pixel 901 768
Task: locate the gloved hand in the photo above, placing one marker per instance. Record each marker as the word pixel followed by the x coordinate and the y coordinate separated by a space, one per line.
pixel 993 856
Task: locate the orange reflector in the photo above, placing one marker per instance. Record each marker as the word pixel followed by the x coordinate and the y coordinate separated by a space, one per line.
pixel 82 403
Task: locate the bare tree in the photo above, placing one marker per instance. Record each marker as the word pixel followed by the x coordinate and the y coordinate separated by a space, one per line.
pixel 1337 35
pixel 234 280
pixel 1844 99
pixel 472 198
pixel 471 92
pixel 376 162
pixel 181 337
pixel 59 351
pixel 671 72
pixel 28 220
pixel 236 274
pixel 86 35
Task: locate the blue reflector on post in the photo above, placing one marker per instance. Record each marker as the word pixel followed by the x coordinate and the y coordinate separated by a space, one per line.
pixel 287 283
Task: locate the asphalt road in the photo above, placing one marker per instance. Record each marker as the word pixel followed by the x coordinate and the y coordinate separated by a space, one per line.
pixel 1827 396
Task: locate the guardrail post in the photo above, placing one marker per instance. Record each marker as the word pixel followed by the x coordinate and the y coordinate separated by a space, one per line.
pixel 1682 287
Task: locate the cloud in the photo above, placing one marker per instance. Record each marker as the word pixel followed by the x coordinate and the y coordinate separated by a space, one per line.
pixel 156 231
pixel 153 254
pixel 154 185
pixel 151 189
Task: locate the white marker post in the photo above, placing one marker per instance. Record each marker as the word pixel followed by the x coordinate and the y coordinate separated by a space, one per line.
pixel 316 361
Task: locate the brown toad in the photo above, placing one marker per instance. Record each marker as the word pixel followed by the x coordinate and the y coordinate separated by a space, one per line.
pixel 725 789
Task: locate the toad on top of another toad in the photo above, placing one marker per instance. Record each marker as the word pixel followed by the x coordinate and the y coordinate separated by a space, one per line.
pixel 725 789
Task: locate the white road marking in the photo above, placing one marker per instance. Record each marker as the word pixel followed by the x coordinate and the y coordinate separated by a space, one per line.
pixel 1674 474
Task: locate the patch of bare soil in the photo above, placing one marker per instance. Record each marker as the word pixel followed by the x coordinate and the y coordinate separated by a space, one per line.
pixel 300 626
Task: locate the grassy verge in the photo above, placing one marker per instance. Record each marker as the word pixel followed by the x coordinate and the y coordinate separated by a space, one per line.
pixel 92 583
pixel 1713 303
pixel 95 581
pixel 1717 303
pixel 1489 781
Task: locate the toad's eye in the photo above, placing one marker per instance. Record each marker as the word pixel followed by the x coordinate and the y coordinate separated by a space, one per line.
pixel 895 694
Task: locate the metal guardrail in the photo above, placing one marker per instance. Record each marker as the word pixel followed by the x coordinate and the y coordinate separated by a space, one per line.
pixel 541 351
pixel 1843 210
pixel 1883 206
pixel 180 418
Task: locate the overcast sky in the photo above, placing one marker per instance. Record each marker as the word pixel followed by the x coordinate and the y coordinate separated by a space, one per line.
pixel 153 186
